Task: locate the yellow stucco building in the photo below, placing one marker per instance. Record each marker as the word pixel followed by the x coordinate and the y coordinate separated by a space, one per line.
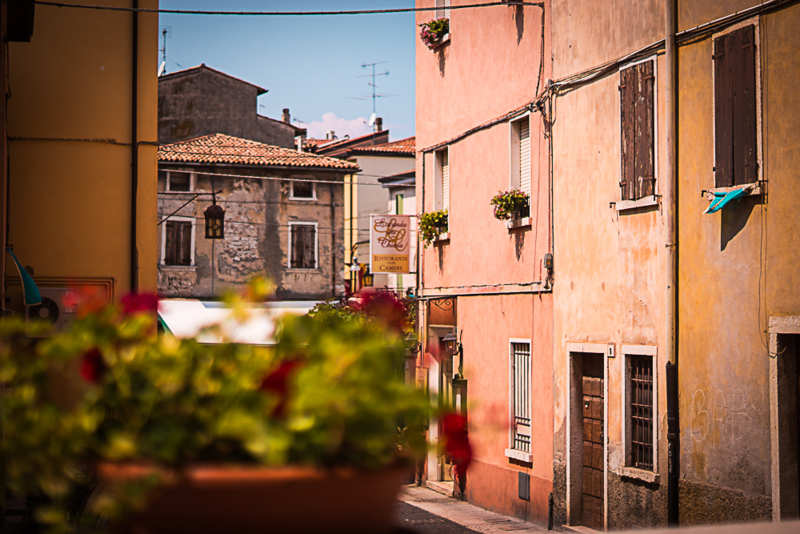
pixel 80 147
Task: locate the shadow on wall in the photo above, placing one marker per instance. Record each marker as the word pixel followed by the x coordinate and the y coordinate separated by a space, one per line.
pixel 735 217
pixel 519 18
pixel 442 58
pixel 519 243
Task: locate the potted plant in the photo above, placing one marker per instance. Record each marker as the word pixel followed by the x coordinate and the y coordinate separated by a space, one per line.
pixel 433 31
pixel 432 225
pixel 168 434
pixel 513 204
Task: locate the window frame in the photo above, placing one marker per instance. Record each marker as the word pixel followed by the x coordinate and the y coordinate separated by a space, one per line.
pixel 440 202
pixel 515 153
pixel 192 181
pixel 628 470
pixel 648 200
pixel 756 189
pixel 512 452
pixel 293 180
pixel 292 224
pixel 192 263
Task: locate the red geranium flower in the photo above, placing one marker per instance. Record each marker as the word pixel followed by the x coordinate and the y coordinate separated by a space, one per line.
pixel 385 307
pixel 139 302
pixel 92 366
pixel 454 430
pixel 277 382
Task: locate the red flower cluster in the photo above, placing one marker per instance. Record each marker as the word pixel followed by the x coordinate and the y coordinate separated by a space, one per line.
pixel 92 366
pixel 277 382
pixel 139 302
pixel 454 430
pixel 385 307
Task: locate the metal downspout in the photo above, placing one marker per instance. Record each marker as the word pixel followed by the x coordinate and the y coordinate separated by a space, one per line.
pixel 134 268
pixel 671 243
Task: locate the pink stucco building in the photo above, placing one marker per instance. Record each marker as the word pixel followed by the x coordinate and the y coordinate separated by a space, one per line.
pixel 488 281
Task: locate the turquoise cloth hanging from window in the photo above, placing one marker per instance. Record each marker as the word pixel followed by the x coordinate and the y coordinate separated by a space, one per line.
pixel 720 199
pixel 29 289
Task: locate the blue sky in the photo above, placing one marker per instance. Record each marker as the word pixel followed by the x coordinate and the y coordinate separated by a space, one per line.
pixel 309 64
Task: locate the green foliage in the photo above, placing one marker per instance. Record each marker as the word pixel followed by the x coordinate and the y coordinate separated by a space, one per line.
pixel 431 225
pixel 509 204
pixel 329 392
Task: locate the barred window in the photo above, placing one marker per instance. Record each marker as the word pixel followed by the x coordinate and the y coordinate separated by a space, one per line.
pixel 521 396
pixel 640 369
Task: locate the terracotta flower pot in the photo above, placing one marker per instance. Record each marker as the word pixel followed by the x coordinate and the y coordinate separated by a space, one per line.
pixel 263 499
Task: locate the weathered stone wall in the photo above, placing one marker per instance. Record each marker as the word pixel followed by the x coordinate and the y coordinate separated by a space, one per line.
pixel 203 102
pixel 256 243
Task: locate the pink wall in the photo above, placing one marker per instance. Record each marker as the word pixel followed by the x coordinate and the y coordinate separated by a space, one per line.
pixel 489 67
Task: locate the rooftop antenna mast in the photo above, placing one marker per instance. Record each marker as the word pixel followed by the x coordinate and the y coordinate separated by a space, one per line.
pixel 374 85
pixel 163 50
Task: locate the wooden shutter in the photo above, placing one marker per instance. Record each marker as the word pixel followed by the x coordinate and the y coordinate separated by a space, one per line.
pixel 736 155
pixel 637 137
pixel 298 247
pixel 525 155
pixel 447 9
pixel 171 244
pixel 310 252
pixel 626 106
pixel 446 179
pixel 185 246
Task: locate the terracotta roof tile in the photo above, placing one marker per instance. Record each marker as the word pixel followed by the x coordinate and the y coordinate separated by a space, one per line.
pixel 219 148
pixel 403 146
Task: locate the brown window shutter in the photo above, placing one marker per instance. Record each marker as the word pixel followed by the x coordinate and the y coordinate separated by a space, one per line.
pixel 723 112
pixel 310 241
pixel 298 247
pixel 745 170
pixel 185 243
pixel 626 98
pixel 171 244
pixel 645 168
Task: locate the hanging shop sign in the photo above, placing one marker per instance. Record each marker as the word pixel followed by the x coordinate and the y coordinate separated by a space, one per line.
pixel 390 243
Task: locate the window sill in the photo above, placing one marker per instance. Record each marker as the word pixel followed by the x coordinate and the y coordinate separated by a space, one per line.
pixel 638 474
pixel 755 189
pixel 441 238
pixel 644 202
pixel 301 270
pixel 302 199
pixel 524 222
pixel 514 454
pixel 177 267
pixel 443 41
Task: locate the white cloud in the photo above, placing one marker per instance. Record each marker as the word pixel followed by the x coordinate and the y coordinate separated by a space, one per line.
pixel 340 126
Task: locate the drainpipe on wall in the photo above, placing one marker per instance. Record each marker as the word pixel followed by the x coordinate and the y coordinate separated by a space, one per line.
pixel 670 211
pixel 134 285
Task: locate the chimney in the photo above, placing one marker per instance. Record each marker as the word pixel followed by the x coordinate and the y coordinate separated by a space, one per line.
pixel 286 117
pixel 330 135
pixel 378 124
pixel 300 142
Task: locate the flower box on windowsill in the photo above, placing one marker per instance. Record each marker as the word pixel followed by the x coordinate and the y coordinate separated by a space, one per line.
pixel 445 236
pixel 521 222
pixel 443 40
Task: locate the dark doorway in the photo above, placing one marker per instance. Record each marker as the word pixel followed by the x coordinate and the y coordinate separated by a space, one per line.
pixel 593 435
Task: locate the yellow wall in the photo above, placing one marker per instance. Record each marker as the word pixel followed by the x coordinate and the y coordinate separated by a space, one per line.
pixel 70 201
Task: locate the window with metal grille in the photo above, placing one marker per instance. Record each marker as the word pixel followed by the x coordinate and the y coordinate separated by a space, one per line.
pixel 637 100
pixel 735 108
pixel 303 246
pixel 302 190
pixel 641 411
pixel 521 396
pixel 178 243
pixel 179 181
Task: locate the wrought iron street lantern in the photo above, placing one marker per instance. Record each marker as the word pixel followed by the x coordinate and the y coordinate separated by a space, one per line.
pixel 215 221
pixel 368 277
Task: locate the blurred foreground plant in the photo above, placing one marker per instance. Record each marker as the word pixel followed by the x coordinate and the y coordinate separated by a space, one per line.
pixel 328 392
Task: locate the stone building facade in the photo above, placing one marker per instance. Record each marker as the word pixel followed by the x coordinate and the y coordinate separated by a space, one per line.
pixel 283 213
pixel 203 101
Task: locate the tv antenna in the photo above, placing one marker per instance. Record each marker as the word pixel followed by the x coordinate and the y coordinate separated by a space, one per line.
pixel 164 32
pixel 374 96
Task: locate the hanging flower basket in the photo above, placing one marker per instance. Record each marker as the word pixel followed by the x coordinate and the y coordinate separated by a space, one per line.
pixel 433 31
pixel 514 204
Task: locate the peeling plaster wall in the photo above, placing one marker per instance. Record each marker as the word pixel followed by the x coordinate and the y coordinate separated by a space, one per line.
pixel 204 102
pixel 257 216
pixel 609 277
